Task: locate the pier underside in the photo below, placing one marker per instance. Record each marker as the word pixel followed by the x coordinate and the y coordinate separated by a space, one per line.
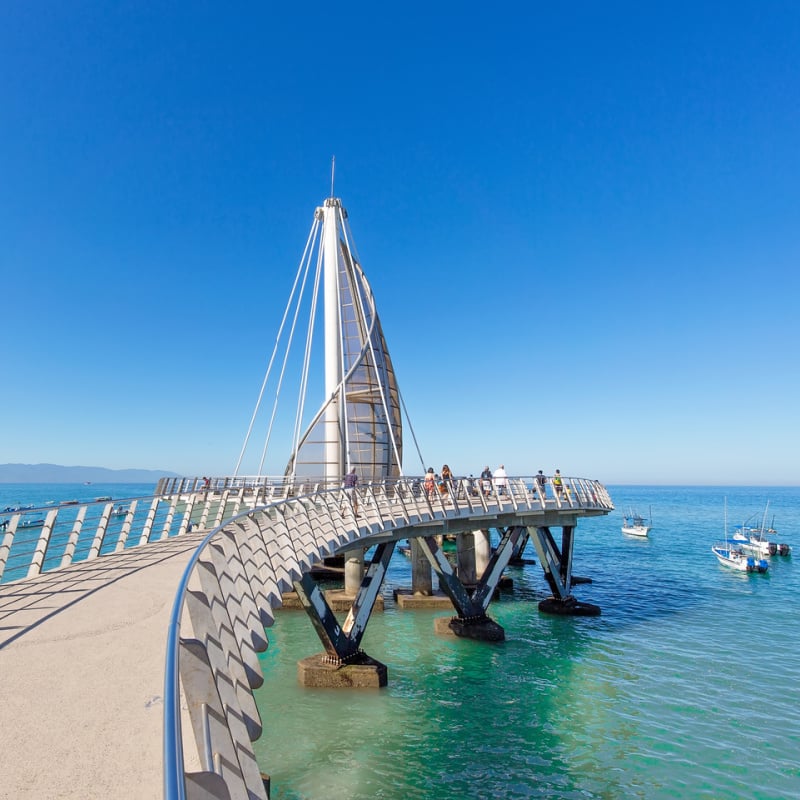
pixel 467 586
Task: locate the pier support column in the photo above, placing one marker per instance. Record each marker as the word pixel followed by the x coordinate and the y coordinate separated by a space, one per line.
pixel 483 550
pixel 471 620
pixel 353 571
pixel 421 573
pixel 421 594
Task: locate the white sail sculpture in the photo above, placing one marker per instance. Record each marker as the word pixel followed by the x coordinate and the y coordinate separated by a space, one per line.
pixel 359 423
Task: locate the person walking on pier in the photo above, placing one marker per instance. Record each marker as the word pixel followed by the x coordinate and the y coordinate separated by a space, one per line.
pixel 500 479
pixel 447 480
pixel 558 485
pixel 486 480
pixel 541 480
pixel 430 483
pixel 350 483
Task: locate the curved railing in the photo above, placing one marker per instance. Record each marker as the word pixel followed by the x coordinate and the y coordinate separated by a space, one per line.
pixel 40 539
pixel 239 572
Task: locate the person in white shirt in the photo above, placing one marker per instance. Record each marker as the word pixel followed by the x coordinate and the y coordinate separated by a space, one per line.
pixel 500 480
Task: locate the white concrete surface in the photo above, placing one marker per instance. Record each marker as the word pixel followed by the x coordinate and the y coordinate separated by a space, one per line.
pixel 82 670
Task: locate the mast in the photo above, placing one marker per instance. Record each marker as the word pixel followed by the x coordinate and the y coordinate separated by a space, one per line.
pixel 334 466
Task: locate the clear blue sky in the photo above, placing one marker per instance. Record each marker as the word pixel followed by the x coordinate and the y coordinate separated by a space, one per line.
pixel 581 225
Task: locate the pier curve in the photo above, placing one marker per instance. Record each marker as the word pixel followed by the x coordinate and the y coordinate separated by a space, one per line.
pixel 83 645
pixel 264 552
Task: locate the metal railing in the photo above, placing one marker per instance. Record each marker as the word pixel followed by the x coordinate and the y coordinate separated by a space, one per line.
pixel 244 564
pixel 39 539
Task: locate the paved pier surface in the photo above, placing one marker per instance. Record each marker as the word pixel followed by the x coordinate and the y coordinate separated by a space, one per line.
pixel 82 669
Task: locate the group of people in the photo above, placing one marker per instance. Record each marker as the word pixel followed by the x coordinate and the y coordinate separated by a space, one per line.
pixel 487 483
pixel 445 483
pixel 558 483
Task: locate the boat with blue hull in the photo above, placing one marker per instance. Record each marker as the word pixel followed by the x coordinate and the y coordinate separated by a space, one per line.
pixel 730 554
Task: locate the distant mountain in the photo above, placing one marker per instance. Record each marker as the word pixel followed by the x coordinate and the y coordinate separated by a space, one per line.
pixel 55 473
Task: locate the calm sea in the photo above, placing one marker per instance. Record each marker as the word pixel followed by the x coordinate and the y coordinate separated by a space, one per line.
pixel 687 686
pixel 46 494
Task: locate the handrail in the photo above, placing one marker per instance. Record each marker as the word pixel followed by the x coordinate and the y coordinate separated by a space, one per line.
pixel 380 513
pixel 44 538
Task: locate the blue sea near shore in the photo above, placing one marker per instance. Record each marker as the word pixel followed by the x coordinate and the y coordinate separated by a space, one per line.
pixel 688 685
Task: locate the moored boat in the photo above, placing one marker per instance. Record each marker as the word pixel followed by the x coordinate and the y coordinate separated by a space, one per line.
pixel 731 554
pixel 756 540
pixel 634 524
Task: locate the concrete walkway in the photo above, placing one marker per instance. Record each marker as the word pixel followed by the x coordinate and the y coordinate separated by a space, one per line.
pixel 82 669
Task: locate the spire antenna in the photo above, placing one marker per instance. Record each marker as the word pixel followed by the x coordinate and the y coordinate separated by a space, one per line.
pixel 333 170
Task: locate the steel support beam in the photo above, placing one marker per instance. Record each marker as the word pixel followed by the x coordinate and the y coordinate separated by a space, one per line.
pixel 489 581
pixel 342 642
pixel 556 563
pixel 450 584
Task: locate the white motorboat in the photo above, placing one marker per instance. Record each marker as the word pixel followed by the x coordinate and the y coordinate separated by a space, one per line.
pixel 749 540
pixel 731 554
pixel 755 540
pixel 634 524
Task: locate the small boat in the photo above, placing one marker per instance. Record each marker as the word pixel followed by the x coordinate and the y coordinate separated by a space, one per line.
pixel 120 511
pixel 749 540
pixel 634 524
pixel 754 540
pixel 731 554
pixel 25 522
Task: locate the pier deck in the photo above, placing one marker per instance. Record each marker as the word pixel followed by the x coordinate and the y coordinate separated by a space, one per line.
pixel 92 635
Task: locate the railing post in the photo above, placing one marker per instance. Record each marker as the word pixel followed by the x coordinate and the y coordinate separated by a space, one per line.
pixel 41 546
pixel 69 550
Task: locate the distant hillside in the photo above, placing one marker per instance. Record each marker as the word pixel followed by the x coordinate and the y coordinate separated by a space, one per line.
pixel 54 473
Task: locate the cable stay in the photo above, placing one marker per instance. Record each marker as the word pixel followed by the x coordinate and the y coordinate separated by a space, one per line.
pixel 359 423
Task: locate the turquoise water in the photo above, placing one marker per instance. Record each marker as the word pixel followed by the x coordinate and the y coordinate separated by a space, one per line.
pixel 686 686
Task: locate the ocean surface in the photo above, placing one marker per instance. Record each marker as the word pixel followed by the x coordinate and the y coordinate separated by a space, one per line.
pixel 47 494
pixel 687 686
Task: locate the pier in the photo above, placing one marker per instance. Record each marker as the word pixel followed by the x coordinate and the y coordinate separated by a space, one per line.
pixel 132 628
pixel 84 644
